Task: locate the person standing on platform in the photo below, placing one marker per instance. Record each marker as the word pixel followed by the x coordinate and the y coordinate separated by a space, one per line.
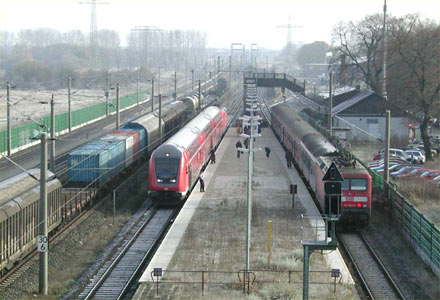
pixel 238 129
pixel 267 149
pixel 202 182
pixel 246 143
pixel 238 145
pixel 290 160
pixel 212 156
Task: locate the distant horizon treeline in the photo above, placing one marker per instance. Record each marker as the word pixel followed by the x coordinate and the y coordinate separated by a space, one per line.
pixel 44 57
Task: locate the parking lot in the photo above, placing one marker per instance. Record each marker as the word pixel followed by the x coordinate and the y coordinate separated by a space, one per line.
pixel 417 179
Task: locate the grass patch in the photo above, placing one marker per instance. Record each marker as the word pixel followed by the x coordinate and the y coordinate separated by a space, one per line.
pixel 424 195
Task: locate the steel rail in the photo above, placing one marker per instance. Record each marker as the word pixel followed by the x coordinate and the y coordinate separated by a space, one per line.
pixel 125 275
pixel 370 269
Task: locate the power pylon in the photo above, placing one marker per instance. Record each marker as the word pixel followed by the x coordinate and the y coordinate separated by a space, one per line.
pixel 93 33
pixel 289 27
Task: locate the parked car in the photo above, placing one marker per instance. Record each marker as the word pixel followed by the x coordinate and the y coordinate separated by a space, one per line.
pixel 397 153
pixel 413 173
pixel 381 163
pixel 402 171
pixel 430 174
pixel 435 148
pixel 379 158
pixel 379 168
pixel 416 156
pixel 391 169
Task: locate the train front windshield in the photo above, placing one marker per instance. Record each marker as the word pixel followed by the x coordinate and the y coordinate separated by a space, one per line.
pixel 167 169
pixel 354 184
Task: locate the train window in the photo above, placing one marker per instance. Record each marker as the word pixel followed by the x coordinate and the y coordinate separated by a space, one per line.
pixel 166 167
pixel 345 185
pixel 358 184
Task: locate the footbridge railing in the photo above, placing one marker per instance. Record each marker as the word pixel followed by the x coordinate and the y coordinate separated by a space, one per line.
pixel 277 80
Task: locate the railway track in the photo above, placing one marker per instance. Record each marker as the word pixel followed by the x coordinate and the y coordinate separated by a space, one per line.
pixel 115 276
pixel 374 276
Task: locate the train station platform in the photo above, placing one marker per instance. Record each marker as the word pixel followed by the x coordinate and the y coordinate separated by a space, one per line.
pixel 210 231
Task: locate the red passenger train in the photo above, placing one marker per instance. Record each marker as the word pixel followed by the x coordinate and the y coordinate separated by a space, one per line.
pixel 313 154
pixel 175 165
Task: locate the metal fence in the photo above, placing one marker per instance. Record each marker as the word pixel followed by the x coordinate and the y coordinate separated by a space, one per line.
pixel 245 280
pixel 21 136
pixel 421 233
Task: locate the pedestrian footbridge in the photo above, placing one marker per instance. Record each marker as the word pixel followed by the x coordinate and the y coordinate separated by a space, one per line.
pixel 275 80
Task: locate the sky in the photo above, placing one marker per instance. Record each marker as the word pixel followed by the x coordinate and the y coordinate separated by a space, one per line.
pixel 225 21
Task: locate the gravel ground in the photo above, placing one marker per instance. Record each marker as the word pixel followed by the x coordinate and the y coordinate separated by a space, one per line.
pixel 414 278
pixel 106 254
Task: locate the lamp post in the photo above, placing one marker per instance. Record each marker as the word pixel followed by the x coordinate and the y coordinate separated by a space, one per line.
pixel 192 80
pixel 42 237
pixel 117 107
pixel 8 117
pixel 175 85
pixel 52 135
pixel 152 94
pixel 69 101
pixel 252 121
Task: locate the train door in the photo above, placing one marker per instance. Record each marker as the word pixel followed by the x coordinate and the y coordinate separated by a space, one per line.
pixel 282 134
pixel 201 157
pixel 190 179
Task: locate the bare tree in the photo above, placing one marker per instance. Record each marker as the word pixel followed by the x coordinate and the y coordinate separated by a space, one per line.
pixel 75 37
pixel 361 43
pixel 414 79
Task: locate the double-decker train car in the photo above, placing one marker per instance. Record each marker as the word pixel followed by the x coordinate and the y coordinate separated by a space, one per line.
pixel 313 154
pixel 176 164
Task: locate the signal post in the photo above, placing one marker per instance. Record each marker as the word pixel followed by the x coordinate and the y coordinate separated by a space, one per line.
pixel 327 239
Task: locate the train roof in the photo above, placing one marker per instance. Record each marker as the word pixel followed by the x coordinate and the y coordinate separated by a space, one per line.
pixel 17 185
pixel 185 136
pixel 314 141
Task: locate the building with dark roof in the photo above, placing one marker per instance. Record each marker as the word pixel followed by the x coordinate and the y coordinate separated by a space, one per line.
pixel 364 113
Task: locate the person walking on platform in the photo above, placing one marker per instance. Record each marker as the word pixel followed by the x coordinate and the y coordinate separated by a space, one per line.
pixel 289 158
pixel 246 143
pixel 212 156
pixel 202 182
pixel 238 145
pixel 238 129
pixel 267 149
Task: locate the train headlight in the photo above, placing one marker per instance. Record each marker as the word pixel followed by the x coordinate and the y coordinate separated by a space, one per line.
pixel 173 180
pixel 159 180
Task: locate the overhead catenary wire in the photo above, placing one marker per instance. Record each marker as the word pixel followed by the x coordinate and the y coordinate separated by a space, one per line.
pixel 89 185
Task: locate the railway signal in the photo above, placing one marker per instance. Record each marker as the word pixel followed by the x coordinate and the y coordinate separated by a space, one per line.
pixel 332 188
